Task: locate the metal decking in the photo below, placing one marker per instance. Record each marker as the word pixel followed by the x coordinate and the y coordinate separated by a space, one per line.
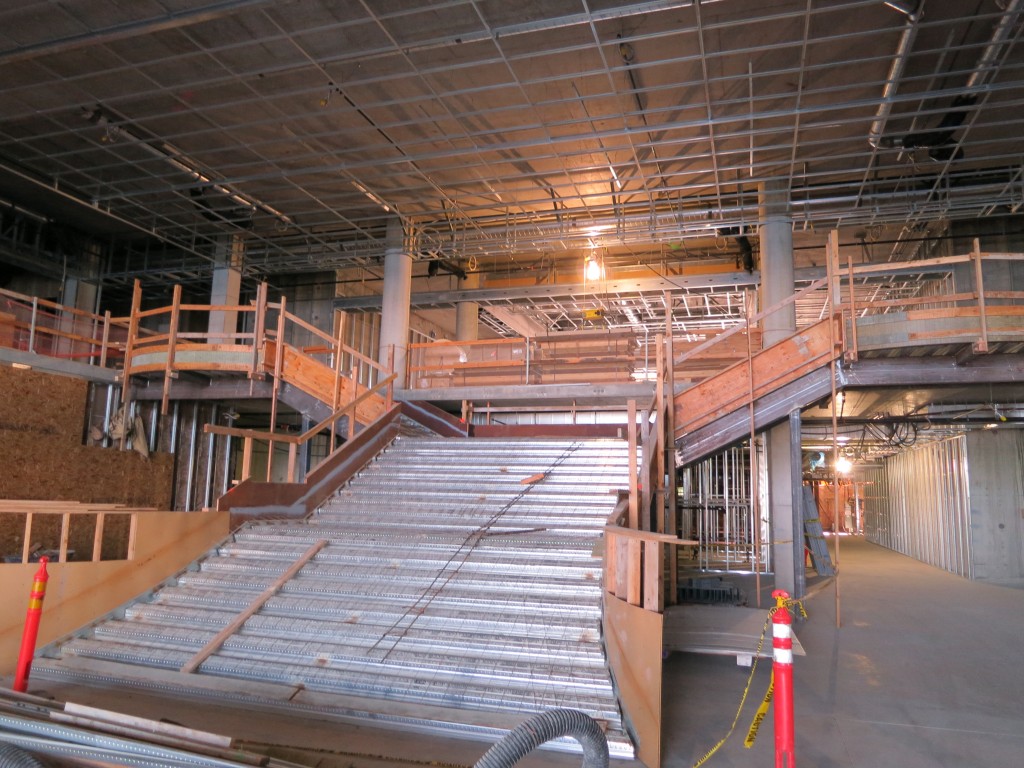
pixel 458 574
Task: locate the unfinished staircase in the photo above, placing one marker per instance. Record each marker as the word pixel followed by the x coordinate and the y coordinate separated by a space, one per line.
pixel 462 576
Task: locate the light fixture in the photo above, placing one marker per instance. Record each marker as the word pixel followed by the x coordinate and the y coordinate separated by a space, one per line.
pixel 372 196
pixel 593 269
pixel 21 366
pixel 843 465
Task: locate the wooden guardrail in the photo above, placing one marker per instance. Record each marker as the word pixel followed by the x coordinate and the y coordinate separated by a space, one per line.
pixel 294 442
pixel 40 535
pixel 47 328
pixel 257 352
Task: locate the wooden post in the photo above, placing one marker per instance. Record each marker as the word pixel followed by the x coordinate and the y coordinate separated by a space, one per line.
pixel 246 457
pixel 610 567
pixel 278 367
pixel 644 480
pixel 654 568
pixel 259 329
pixel 352 412
pixel 26 546
pixel 106 339
pixel 981 345
pixel 337 379
pixel 172 341
pixel 65 536
pixel 97 537
pixel 660 424
pixel 852 352
pixel 133 330
pixel 293 449
pixel 671 511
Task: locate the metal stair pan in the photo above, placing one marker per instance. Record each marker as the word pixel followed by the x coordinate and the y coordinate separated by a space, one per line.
pixel 460 583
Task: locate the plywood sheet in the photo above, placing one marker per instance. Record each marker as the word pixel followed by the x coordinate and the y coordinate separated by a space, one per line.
pixel 633 641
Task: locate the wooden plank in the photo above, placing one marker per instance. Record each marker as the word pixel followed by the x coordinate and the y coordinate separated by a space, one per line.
pixel 633 640
pixel 65 536
pixel 133 530
pixel 26 546
pixel 654 576
pixel 621 567
pixel 246 458
pixel 218 640
pixel 662 538
pixel 634 573
pixel 611 571
pixel 97 537
pixel 777 365
pixel 533 478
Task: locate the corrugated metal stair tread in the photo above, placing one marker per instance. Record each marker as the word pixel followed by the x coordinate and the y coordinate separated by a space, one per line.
pixel 446 580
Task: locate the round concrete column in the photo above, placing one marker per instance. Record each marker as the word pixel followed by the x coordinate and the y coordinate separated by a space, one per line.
pixel 776 236
pixel 778 284
pixel 394 319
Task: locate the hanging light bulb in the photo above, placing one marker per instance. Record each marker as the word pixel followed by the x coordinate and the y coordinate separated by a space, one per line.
pixel 592 268
pixel 843 465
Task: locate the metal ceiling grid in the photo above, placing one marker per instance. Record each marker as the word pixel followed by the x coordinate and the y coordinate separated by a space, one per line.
pixel 490 128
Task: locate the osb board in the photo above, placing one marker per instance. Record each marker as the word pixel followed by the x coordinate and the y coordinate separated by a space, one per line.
pixel 633 642
pixel 42 405
pixel 80 592
pixel 42 420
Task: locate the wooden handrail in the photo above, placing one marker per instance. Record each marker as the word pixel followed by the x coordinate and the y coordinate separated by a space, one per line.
pixel 293 441
pixel 819 283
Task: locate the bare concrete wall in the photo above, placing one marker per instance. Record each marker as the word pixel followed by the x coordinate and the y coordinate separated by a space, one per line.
pixel 996 460
pixel 42 420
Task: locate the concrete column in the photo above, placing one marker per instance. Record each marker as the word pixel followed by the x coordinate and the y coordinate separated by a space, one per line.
pixel 777 284
pixel 467 313
pixel 394 320
pixel 226 288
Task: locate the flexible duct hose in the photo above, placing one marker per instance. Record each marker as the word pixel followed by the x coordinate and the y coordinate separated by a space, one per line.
pixel 526 737
pixel 15 757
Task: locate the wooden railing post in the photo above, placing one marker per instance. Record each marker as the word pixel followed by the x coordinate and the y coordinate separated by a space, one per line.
pixel 259 329
pixel 851 352
pixel 293 449
pixel 981 345
pixel 106 339
pixel 97 537
pixel 352 413
pixel 246 458
pixel 133 331
pixel 172 342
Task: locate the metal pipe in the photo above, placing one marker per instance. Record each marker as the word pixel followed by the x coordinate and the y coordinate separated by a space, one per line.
pixel 1000 35
pixel 899 63
pixel 191 457
pixel 208 495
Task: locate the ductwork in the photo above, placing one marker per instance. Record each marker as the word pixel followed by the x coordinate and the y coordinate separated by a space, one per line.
pixel 876 135
pixel 939 140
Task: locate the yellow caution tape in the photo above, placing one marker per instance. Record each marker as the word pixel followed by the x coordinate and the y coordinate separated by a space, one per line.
pixel 762 712
pixel 753 668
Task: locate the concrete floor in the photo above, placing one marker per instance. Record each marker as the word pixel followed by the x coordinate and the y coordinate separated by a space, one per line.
pixel 923 672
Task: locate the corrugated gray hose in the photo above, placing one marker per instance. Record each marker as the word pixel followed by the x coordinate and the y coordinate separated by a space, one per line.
pixel 526 737
pixel 15 757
